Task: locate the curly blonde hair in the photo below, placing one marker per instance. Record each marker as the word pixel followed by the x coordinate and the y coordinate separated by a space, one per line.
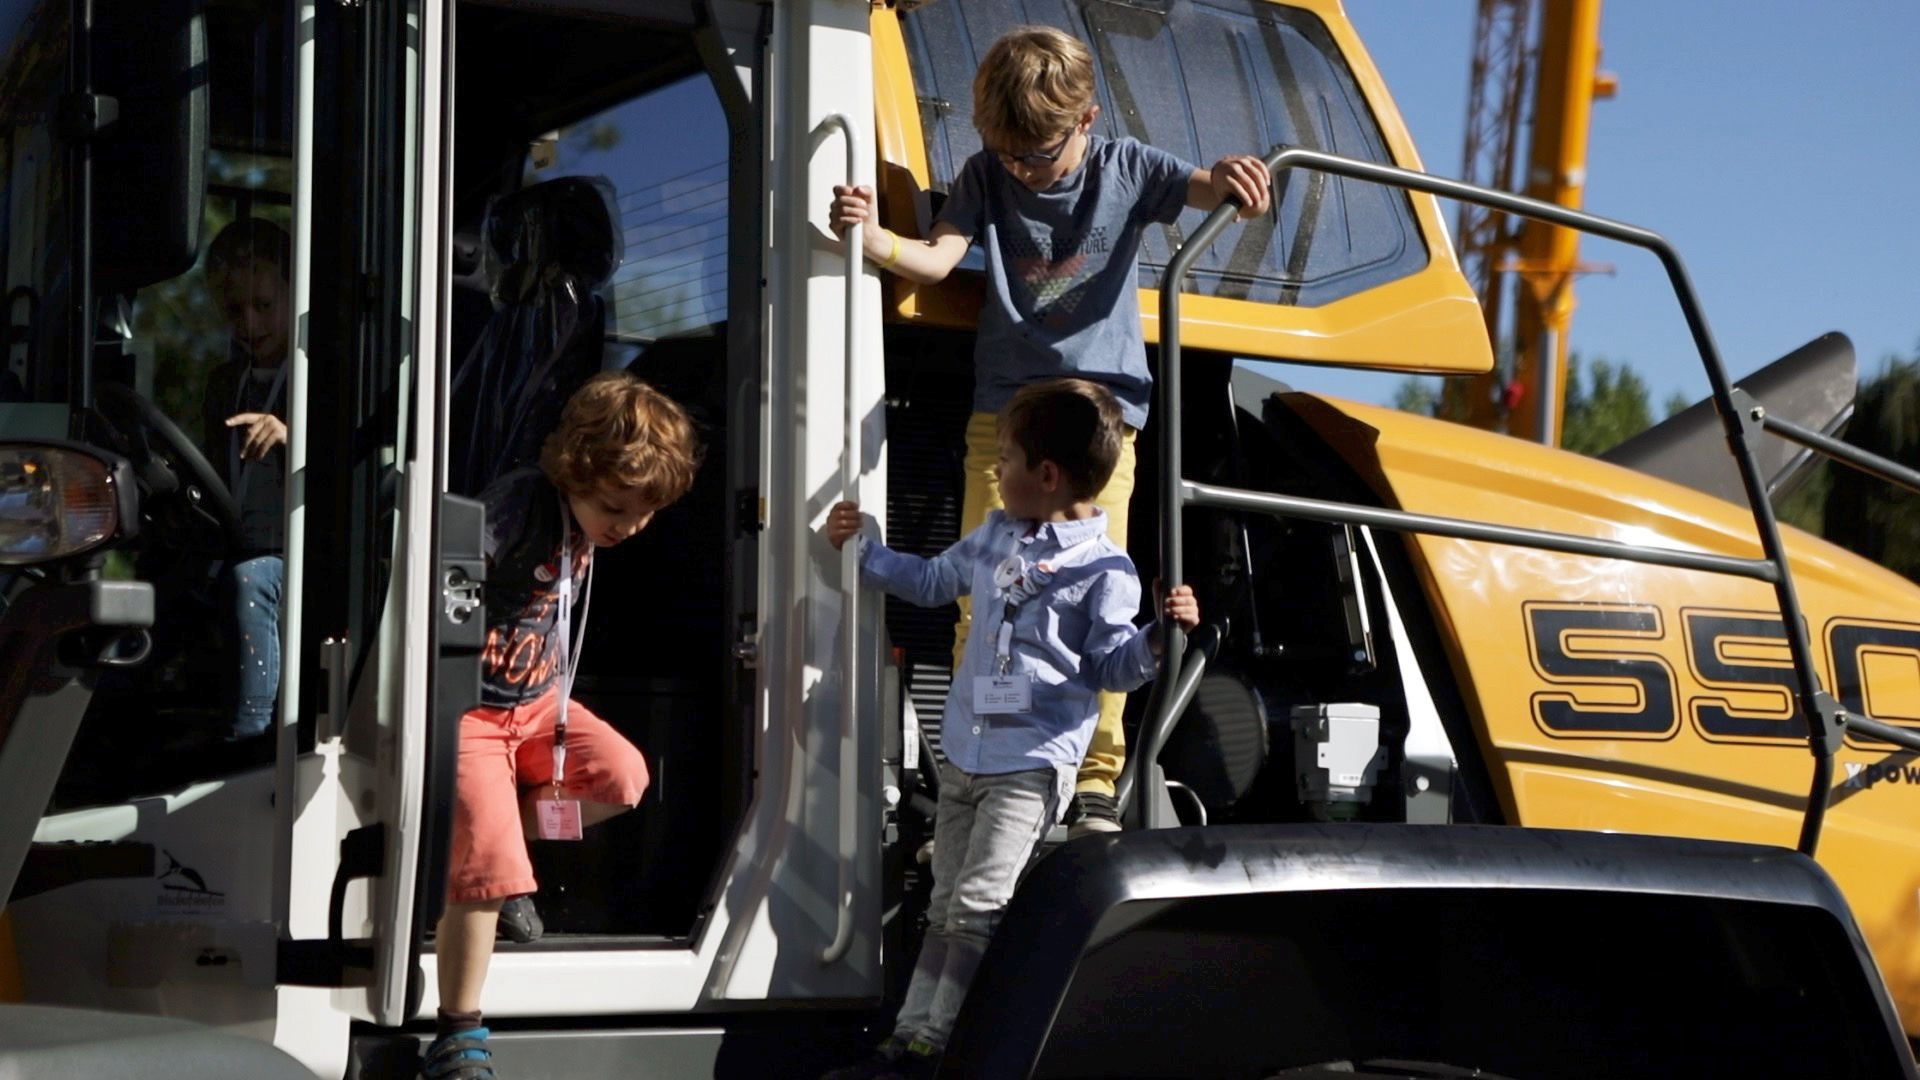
pixel 617 432
pixel 1033 86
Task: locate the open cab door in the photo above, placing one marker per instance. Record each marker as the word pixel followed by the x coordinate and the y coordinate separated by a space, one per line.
pixel 372 602
pixel 719 640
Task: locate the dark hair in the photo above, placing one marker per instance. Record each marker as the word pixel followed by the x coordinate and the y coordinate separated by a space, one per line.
pixel 1074 423
pixel 245 245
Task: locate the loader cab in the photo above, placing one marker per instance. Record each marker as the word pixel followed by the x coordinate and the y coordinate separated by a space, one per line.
pixel 489 201
pixel 464 186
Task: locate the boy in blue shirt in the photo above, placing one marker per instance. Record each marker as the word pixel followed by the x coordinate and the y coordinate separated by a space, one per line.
pixel 1056 628
pixel 1060 213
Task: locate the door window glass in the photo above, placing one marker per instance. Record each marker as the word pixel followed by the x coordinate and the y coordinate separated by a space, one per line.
pixel 34 227
pixel 198 348
pixel 666 154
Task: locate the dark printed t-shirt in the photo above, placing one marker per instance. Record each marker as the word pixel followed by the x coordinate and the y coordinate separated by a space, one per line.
pixel 524 523
pixel 1062 291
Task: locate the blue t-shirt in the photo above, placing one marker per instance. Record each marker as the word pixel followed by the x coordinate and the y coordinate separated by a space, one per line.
pixel 1061 285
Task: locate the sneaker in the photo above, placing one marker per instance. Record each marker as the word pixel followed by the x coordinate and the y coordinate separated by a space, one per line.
pixel 924 1068
pixel 920 1062
pixel 1091 812
pixel 885 1061
pixel 520 920
pixel 463 1055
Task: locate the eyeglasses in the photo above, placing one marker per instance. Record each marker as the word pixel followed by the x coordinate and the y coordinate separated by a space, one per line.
pixel 1036 159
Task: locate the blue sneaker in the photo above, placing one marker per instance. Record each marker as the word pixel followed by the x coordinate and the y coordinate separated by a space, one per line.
pixel 463 1055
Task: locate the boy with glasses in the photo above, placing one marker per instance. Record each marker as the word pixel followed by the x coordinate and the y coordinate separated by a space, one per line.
pixel 1060 212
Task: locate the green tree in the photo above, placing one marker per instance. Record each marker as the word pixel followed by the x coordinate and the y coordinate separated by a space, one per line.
pixel 1417 394
pixel 1605 404
pixel 1871 517
pixel 1605 407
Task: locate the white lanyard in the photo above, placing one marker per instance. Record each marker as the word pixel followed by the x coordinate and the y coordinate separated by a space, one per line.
pixel 237 469
pixel 1010 583
pixel 570 640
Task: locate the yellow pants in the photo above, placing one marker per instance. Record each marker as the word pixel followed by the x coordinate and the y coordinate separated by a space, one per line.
pixel 1108 751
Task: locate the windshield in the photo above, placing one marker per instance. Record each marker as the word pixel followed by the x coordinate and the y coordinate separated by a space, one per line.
pixel 189 320
pixel 1160 80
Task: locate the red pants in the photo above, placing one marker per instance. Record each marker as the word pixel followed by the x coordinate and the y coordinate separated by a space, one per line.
pixel 502 752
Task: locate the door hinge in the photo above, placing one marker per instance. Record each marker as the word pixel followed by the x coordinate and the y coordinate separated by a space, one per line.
pixel 749 514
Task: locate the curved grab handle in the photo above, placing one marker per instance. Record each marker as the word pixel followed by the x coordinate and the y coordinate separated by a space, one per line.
pixel 850 465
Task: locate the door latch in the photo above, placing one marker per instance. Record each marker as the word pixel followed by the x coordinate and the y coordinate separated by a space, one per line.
pixel 462 595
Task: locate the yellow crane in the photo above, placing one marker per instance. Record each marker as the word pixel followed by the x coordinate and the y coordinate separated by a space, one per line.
pixel 1527 397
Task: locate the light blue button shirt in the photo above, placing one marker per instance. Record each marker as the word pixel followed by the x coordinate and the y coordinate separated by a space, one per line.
pixel 1074 636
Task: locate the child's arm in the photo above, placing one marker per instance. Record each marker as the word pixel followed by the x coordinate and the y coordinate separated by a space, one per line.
pixel 925 261
pixel 1120 655
pixel 926 582
pixel 1242 176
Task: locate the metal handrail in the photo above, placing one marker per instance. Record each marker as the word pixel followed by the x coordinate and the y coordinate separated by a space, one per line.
pixel 1405 521
pixel 850 464
pixel 1872 464
pixel 1167 701
pixel 1825 720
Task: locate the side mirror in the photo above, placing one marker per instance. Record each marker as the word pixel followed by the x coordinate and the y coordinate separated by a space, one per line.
pixel 150 162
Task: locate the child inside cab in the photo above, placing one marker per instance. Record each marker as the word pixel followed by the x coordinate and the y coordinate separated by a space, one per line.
pixel 532 762
pixel 244 435
pixel 1059 211
pixel 1055 629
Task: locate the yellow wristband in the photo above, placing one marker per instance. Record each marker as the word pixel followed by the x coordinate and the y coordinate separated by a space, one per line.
pixel 893 254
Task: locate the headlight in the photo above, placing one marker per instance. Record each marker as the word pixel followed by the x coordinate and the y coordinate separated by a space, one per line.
pixel 59 500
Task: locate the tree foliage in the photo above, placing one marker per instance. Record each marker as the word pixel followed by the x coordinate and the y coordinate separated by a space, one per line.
pixel 1605 404
pixel 1606 407
pixel 1416 394
pixel 1868 516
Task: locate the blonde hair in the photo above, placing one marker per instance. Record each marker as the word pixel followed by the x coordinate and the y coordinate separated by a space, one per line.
pixel 1033 86
pixel 617 432
pixel 1074 423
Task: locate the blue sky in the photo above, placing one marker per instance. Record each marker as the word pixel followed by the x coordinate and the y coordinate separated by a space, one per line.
pixel 1776 143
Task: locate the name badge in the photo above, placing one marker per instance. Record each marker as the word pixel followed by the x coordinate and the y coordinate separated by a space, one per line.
pixel 1000 694
pixel 557 819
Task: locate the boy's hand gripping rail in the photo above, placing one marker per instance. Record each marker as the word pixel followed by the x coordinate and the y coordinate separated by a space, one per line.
pixel 850 464
pixel 1825 720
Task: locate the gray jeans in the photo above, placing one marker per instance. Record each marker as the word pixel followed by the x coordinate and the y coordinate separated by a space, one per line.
pixel 985 830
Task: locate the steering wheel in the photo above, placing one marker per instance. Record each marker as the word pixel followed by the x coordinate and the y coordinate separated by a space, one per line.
pixel 143 425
